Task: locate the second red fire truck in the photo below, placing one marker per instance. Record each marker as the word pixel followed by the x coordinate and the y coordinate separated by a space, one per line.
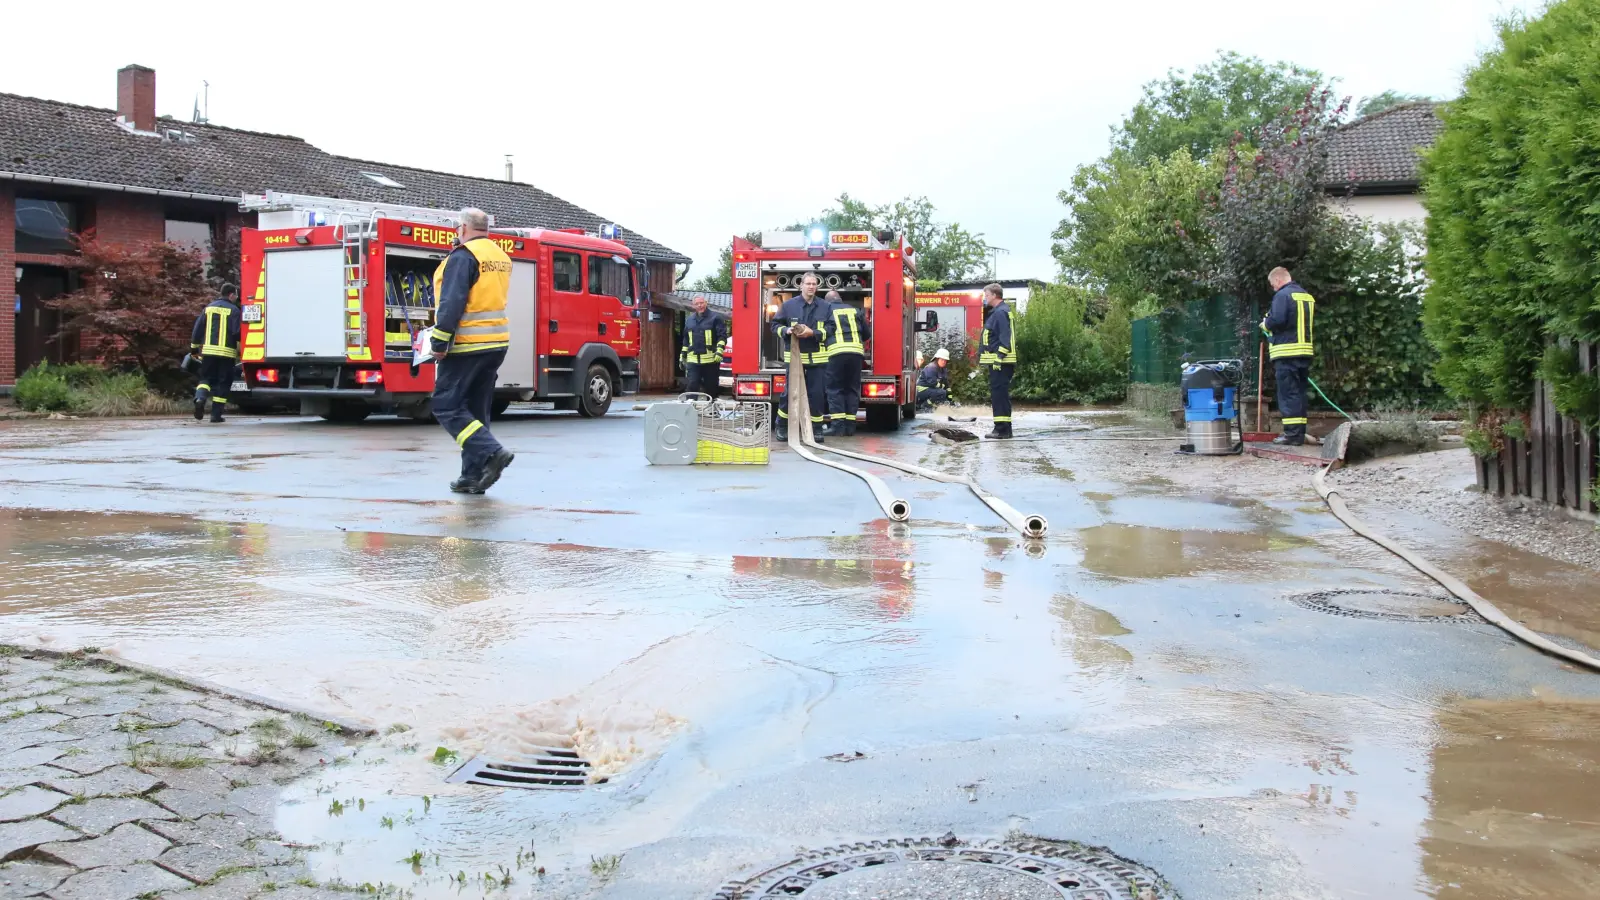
pixel 874 272
pixel 334 293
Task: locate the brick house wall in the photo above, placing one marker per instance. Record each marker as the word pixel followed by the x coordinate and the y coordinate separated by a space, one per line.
pixel 8 285
pixel 123 218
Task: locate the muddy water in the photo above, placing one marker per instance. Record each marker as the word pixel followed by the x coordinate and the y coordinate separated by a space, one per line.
pixel 1143 684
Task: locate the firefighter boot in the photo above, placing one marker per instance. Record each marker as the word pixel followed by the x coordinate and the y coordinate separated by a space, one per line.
pixel 1002 430
pixel 492 469
pixel 216 411
pixel 465 485
pixel 781 432
pixel 201 395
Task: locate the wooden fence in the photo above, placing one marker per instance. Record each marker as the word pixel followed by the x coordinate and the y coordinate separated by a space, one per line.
pixel 1556 463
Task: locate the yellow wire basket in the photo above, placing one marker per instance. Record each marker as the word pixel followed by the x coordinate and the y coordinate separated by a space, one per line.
pixel 730 433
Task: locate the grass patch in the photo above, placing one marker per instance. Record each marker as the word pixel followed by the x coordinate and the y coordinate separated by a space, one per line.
pixel 146 757
pixel 397 728
pixel 605 867
pixel 302 741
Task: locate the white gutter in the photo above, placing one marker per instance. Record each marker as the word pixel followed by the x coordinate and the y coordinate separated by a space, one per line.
pixel 116 188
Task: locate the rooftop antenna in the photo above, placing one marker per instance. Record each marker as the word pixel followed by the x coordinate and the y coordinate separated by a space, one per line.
pixel 508 167
pixel 994 260
pixel 205 117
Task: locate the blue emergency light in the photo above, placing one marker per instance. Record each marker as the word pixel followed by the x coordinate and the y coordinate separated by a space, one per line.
pixel 611 232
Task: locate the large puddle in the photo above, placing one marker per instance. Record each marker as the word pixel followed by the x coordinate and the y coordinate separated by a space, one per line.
pixel 1149 663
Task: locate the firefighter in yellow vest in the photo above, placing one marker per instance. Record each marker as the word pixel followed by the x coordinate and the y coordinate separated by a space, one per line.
pixel 215 340
pixel 470 337
pixel 1288 324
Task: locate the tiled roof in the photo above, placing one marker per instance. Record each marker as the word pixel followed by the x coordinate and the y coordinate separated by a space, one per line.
pixel 46 138
pixel 1383 150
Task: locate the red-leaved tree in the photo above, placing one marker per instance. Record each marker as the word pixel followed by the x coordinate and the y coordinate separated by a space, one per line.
pixel 136 302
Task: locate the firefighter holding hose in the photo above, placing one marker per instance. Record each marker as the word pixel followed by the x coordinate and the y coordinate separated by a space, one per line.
pixel 846 338
pixel 469 341
pixel 998 351
pixel 805 317
pixel 1288 323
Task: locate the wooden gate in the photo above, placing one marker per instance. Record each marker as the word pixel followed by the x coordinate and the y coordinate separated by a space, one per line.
pixel 1556 462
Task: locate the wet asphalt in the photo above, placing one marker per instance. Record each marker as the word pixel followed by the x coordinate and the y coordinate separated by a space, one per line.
pixel 1142 680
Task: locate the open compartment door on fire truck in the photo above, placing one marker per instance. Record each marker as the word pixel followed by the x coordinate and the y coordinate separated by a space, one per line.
pixel 522 314
pixel 306 291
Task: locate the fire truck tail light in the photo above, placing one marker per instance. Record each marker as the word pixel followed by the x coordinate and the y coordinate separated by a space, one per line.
pixel 752 389
pixel 879 390
pixel 369 377
pixel 894 254
pixel 266 376
pixel 741 256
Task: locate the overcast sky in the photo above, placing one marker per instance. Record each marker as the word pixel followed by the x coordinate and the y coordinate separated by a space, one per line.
pixel 690 121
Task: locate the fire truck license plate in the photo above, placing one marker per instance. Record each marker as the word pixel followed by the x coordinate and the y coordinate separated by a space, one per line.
pixel 252 313
pixel 241 387
pixel 744 270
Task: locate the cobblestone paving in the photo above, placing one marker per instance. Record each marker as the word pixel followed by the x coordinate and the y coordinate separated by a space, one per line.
pixel 119 786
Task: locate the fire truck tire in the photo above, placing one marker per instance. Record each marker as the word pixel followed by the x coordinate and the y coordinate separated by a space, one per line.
pixel 347 412
pixel 883 418
pixel 501 404
pixel 595 398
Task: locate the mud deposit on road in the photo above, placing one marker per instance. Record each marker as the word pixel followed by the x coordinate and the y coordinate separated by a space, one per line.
pixel 754 673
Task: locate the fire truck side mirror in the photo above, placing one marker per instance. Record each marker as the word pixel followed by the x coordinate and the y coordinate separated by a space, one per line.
pixel 931 323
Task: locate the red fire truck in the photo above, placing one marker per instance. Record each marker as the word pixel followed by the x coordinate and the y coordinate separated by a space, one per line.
pixel 872 272
pixel 334 291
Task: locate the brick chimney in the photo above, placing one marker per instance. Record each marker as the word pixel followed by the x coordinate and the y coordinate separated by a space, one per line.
pixel 136 96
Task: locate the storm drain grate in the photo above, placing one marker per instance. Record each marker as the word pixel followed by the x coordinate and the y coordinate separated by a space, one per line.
pixel 1387 605
pixel 544 769
pixel 928 869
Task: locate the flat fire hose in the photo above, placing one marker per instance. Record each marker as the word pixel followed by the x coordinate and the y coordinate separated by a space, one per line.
pixel 1449 582
pixel 800 439
pixel 1031 526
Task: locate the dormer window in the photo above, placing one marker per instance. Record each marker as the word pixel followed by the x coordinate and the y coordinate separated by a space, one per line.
pixel 383 180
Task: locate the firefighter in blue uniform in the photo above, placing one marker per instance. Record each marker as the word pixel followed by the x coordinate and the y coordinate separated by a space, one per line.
pixel 847 336
pixel 215 339
pixel 998 351
pixel 806 318
pixel 1288 324
pixel 933 382
pixel 705 334
pixel 470 335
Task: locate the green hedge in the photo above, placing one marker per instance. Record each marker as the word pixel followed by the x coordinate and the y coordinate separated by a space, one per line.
pixel 1513 217
pixel 1061 358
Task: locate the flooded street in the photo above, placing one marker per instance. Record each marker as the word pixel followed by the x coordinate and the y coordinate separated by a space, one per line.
pixel 1234 691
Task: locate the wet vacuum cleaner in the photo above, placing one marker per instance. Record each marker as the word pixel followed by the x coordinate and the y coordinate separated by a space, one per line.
pixel 1211 407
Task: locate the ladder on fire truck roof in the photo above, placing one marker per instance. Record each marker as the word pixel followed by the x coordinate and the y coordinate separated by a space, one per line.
pixel 355 221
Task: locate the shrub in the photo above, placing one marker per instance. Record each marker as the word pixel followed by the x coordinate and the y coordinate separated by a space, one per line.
pixel 1060 358
pixel 1512 220
pixel 91 390
pixel 43 388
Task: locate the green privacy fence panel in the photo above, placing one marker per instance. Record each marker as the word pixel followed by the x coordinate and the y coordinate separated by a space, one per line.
pixel 1199 329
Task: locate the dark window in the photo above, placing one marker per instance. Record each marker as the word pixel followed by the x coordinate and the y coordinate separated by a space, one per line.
pixel 46 226
pixel 566 271
pixel 191 235
pixel 609 278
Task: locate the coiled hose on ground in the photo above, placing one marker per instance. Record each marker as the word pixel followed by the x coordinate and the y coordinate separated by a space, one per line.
pixel 1449 582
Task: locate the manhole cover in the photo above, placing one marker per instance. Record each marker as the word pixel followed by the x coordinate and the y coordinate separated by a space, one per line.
pixel 548 769
pixel 935 869
pixel 1387 605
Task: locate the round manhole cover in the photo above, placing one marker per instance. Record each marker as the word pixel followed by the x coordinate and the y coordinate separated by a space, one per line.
pixel 1387 605
pixel 924 869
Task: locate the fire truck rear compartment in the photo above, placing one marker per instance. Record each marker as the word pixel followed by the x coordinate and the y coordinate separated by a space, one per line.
pixel 854 287
pixel 305 301
pixel 408 294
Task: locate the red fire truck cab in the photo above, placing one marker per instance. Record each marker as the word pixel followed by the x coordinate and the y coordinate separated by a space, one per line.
pixel 872 272
pixel 334 291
